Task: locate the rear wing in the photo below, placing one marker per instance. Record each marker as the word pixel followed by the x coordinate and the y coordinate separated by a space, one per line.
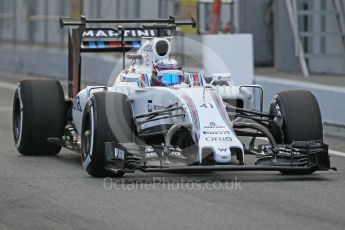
pixel 84 37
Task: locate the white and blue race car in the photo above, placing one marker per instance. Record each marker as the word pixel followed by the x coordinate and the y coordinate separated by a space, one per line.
pixel 156 117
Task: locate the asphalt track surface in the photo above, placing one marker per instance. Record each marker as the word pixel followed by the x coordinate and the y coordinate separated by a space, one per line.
pixel 56 193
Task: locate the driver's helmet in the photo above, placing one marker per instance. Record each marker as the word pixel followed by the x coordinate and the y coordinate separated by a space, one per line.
pixel 167 73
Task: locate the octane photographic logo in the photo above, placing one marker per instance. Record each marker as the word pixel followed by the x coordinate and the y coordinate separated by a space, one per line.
pixel 188 53
pixel 163 183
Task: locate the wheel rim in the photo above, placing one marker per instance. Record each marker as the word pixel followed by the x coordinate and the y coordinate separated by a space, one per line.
pixel 17 118
pixel 276 109
pixel 87 135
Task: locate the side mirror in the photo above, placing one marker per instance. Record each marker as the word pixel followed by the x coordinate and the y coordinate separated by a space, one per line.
pixel 222 78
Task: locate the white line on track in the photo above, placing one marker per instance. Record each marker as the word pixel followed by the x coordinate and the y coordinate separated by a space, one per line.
pixel 337 153
pixel 290 82
pixel 8 85
pixel 14 86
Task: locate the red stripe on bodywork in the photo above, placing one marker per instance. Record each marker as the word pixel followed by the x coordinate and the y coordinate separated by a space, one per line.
pixel 195 117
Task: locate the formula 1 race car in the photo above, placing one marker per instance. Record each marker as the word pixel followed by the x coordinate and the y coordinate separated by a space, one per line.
pixel 157 118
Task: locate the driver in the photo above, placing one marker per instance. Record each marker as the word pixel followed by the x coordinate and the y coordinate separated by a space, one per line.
pixel 167 73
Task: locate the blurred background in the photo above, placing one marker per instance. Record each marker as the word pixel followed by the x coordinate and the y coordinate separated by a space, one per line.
pixel 290 44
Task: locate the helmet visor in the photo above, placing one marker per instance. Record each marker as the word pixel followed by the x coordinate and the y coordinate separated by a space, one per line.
pixel 170 78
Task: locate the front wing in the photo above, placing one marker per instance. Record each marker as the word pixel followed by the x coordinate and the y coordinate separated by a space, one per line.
pixel 299 157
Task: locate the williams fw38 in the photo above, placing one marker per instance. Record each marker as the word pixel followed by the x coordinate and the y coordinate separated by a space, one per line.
pixel 156 117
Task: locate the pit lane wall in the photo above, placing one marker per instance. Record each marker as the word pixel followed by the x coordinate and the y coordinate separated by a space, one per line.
pixel 331 98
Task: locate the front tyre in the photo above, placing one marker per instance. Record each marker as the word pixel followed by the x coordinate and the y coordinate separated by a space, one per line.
pixel 38 113
pixel 297 118
pixel 107 118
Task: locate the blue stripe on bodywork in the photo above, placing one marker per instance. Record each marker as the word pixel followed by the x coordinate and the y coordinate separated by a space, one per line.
pixel 135 44
pixel 92 45
pixel 100 44
pixel 200 79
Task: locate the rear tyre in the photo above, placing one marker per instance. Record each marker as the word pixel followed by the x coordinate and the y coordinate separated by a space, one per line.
pixel 38 113
pixel 297 118
pixel 107 117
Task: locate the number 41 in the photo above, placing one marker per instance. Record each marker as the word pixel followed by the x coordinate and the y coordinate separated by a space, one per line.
pixel 206 105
